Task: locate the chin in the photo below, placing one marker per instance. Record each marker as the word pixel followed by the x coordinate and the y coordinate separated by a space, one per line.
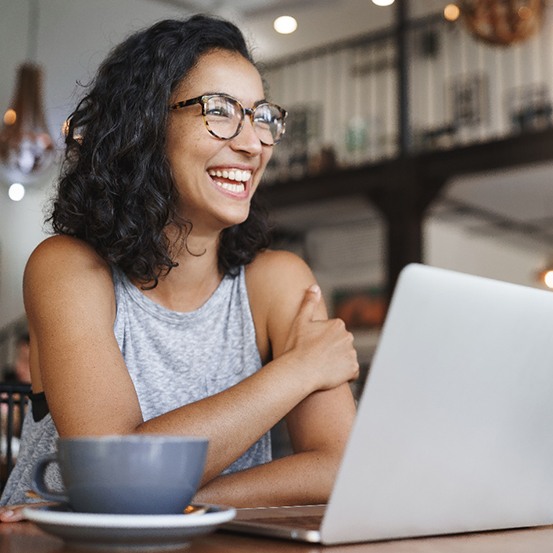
pixel 233 220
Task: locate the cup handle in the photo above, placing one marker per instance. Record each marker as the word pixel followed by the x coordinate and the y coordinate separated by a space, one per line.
pixel 38 483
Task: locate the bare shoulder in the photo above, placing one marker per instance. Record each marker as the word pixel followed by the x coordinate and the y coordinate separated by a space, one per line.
pixel 277 282
pixel 279 269
pixel 63 248
pixel 64 268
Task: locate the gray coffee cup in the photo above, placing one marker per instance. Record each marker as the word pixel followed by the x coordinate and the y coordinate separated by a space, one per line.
pixel 131 474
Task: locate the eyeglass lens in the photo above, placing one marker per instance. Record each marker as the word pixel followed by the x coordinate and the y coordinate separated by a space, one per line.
pixel 224 116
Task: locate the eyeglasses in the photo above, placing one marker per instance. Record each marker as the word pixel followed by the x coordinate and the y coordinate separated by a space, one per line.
pixel 224 117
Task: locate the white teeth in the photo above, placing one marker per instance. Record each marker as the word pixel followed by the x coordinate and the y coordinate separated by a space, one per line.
pixel 236 188
pixel 232 174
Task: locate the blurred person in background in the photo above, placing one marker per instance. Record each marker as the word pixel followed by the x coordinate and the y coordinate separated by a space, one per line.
pixel 20 371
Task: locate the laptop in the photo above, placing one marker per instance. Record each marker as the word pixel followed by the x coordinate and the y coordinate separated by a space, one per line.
pixel 454 429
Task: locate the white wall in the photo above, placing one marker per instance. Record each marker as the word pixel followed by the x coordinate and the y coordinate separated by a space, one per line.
pixel 451 246
pixel 20 232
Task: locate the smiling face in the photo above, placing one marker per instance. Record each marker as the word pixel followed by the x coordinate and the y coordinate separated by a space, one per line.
pixel 216 178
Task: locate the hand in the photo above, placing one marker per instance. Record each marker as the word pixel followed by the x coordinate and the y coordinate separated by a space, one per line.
pixel 14 513
pixel 323 348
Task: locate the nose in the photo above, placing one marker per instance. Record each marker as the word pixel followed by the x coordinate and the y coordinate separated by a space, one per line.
pixel 247 140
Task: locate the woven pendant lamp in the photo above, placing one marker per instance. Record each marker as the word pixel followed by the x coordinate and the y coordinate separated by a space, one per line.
pixel 502 22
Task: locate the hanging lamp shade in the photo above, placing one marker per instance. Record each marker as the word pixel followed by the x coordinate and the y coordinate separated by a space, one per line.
pixel 27 149
pixel 502 22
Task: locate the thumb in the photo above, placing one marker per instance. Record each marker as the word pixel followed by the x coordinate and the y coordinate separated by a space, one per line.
pixel 309 304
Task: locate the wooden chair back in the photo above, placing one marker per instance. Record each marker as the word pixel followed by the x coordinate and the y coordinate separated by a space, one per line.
pixel 13 404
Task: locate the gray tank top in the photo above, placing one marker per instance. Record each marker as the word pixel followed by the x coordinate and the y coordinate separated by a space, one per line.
pixel 173 359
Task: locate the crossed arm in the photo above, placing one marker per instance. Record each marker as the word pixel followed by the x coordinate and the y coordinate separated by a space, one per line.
pixel 76 360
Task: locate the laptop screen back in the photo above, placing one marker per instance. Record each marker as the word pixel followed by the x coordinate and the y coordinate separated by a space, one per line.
pixel 454 430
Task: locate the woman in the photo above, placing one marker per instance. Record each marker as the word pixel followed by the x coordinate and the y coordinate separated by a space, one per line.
pixel 157 307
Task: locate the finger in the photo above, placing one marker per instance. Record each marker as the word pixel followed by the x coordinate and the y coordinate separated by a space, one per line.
pixel 12 513
pixel 309 303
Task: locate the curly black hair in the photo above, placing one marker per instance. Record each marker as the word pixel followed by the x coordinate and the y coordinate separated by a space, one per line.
pixel 116 191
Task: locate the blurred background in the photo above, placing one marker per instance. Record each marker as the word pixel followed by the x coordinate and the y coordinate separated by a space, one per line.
pixel 418 131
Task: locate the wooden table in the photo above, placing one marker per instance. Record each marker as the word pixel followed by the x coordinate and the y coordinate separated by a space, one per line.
pixel 25 537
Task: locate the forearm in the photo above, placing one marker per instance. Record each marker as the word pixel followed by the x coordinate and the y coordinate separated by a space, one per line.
pixel 237 417
pixel 302 478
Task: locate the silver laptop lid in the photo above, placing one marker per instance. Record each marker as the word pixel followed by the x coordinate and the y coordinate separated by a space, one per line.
pixel 454 431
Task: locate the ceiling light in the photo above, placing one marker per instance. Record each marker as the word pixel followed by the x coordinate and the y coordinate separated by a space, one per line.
pixel 548 278
pixel 383 2
pixel 16 191
pixel 544 276
pixel 285 24
pixel 452 12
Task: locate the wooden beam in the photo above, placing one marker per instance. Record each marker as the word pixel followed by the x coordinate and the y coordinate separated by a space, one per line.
pixel 405 187
pixel 424 170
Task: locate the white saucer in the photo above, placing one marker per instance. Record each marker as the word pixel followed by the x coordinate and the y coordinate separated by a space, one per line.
pixel 136 531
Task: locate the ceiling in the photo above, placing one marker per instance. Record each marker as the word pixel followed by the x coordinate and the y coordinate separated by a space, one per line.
pixel 516 204
pixel 319 21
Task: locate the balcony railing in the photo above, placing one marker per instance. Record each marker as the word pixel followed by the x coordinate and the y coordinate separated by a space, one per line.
pixel 343 98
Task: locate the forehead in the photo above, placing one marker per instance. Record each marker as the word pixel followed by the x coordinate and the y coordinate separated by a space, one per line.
pixel 222 71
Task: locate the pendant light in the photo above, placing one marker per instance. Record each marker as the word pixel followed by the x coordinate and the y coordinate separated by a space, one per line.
pixel 27 149
pixel 503 22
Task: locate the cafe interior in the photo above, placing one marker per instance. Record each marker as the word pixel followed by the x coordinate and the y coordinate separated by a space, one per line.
pixel 417 131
